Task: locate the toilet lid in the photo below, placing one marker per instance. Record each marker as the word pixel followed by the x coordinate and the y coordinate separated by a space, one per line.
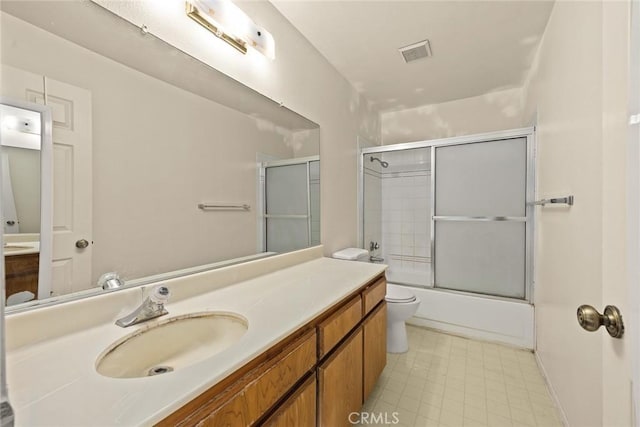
pixel 399 294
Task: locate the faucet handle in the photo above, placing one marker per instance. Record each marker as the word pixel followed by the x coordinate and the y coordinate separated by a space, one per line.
pixel 160 294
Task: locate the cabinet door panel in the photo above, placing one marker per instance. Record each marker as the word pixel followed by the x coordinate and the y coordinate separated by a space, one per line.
pixel 340 383
pixel 375 347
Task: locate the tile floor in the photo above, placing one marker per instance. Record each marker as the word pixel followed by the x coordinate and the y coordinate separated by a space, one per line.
pixel 446 380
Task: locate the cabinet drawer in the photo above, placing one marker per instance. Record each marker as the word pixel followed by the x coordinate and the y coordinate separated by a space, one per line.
pixel 263 387
pixel 374 294
pixel 298 410
pixel 336 327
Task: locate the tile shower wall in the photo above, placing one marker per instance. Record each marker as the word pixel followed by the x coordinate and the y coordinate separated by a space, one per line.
pixel 406 213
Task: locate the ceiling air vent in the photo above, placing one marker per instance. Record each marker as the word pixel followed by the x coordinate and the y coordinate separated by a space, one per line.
pixel 416 51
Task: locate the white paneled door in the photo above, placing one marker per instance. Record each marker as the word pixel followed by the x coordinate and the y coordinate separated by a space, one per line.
pixel 72 186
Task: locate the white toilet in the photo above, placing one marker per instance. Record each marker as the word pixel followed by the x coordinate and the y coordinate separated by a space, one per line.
pixel 401 304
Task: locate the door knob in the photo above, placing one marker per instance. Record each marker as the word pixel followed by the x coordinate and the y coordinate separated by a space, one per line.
pixel 82 243
pixel 591 320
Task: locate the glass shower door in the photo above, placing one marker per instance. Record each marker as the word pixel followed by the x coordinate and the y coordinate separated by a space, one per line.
pixel 287 206
pixel 396 206
pixel 480 217
pixel 314 201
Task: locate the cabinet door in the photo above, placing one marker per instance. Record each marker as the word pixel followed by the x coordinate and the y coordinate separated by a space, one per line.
pixel 298 410
pixel 340 383
pixel 375 347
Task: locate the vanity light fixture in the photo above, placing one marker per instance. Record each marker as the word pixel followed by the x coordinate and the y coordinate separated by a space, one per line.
pixel 19 124
pixel 227 22
pixel 10 122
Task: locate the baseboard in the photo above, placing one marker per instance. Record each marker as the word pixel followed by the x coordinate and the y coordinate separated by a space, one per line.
pixel 472 333
pixel 552 392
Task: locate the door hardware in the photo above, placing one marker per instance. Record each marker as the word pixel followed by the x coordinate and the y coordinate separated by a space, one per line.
pixel 591 320
pixel 82 244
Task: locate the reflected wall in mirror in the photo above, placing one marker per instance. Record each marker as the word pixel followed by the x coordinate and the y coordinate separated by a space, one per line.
pixel 25 153
pixel 20 155
pixel 141 139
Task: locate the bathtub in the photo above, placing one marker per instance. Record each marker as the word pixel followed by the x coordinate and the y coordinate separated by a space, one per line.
pixel 473 316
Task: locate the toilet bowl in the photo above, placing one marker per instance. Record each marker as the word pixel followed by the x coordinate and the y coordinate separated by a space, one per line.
pixel 401 304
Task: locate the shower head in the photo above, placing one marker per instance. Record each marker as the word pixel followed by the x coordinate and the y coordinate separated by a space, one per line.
pixel 382 163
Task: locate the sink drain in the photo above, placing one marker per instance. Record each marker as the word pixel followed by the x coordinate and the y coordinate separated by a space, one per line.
pixel 158 370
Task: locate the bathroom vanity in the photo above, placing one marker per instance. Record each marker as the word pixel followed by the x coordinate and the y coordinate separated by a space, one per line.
pixel 21 273
pixel 333 360
pixel 313 349
pixel 21 264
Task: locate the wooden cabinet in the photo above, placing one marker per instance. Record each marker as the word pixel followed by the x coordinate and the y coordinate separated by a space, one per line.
pixel 251 396
pixel 374 330
pixel 299 409
pixel 304 381
pixel 340 383
pixel 21 273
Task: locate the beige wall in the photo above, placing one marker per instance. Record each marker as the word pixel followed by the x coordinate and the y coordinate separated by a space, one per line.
pixel 485 113
pixel 577 94
pixel 302 79
pixel 157 152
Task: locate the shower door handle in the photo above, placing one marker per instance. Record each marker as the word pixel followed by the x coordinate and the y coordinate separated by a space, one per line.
pixel 611 319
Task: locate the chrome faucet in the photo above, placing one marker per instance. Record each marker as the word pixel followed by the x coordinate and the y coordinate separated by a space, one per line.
pixel 151 307
pixel 110 280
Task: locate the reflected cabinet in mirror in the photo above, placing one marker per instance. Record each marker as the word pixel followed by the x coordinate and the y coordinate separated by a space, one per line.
pixel 159 163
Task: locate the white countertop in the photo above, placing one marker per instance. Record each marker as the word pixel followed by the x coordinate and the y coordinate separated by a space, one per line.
pixel 21 248
pixel 54 382
pixel 21 243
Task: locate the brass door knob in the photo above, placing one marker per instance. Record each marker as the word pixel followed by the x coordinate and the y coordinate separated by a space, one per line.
pixel 82 243
pixel 591 320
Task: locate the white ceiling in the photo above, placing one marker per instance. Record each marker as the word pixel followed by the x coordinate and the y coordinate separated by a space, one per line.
pixel 478 46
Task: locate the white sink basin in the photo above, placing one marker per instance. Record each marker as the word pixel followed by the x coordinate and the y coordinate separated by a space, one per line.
pixel 171 344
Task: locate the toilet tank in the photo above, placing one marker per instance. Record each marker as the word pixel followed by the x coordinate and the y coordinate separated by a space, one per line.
pixel 352 254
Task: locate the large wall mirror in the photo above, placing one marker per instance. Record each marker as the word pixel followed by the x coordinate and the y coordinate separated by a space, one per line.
pixel 160 164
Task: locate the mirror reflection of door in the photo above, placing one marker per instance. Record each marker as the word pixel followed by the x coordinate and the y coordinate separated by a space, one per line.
pixel 71 179
pixel 72 186
pixel 20 142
